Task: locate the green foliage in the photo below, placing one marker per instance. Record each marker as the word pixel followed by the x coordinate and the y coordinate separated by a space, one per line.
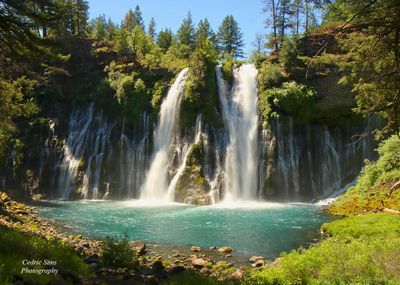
pixel 164 39
pixel 186 32
pixel 16 247
pixel 204 33
pixel 373 56
pixel 373 190
pixel 117 253
pixel 289 52
pixel 17 100
pixel 133 19
pixel 291 98
pixel 230 38
pixel 201 88
pixel 160 88
pixel 361 250
pixel 130 92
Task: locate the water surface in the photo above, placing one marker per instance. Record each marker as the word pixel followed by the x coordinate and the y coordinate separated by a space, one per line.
pixel 249 228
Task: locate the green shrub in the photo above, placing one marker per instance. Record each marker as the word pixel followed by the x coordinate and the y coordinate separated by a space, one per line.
pixel 288 54
pixel 117 253
pixel 294 99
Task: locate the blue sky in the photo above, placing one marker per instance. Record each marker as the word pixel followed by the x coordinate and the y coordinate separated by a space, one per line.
pixel 170 13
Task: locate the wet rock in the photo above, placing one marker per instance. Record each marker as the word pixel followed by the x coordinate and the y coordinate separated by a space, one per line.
pixel 195 248
pixel 198 262
pixel 259 263
pixel 254 259
pixel 225 249
pixel 138 246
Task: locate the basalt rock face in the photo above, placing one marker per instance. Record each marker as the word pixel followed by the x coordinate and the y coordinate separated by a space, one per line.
pixel 90 155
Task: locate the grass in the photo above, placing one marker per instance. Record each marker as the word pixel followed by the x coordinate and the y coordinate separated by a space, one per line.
pixel 360 250
pixel 16 247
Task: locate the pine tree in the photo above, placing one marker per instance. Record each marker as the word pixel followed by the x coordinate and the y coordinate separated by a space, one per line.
pixel 152 28
pixel 133 19
pixel 98 27
pixel 164 39
pixel 204 32
pixel 137 17
pixel 80 17
pixel 230 38
pixel 186 32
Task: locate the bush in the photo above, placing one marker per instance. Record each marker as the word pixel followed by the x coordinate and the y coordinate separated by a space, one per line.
pixel 289 52
pixel 294 99
pixel 117 253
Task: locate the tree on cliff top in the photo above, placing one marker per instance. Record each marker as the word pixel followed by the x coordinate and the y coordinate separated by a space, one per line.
pixel 230 38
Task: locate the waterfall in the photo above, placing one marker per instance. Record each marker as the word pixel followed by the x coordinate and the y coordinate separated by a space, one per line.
pixel 182 164
pixel 240 112
pixel 87 133
pixel 316 161
pixel 156 185
pixel 133 159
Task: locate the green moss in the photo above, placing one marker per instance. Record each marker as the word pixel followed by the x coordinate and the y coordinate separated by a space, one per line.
pixel 192 177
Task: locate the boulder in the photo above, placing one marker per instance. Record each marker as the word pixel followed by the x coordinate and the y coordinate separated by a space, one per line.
pixel 198 262
pixel 138 246
pixel 254 259
pixel 259 263
pixel 225 249
pixel 195 248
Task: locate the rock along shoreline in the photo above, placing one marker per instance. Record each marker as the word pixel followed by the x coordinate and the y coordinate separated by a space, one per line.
pixel 157 262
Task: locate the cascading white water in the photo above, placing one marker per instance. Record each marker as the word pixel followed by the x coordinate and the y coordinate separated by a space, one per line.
pixel 240 112
pixel 182 164
pixel 91 179
pixel 74 148
pixel 86 133
pixel 155 185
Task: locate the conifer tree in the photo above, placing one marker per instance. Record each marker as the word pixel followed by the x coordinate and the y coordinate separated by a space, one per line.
pixel 230 38
pixel 186 32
